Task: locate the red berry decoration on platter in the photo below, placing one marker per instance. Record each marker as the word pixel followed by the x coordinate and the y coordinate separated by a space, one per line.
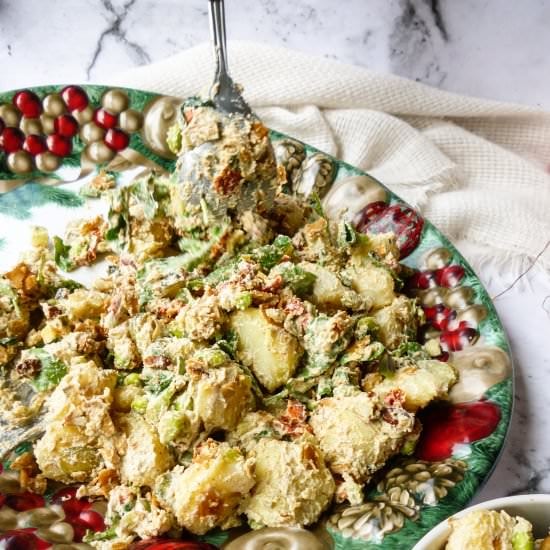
pixel 2 500
pixel 66 126
pixel 166 544
pixel 449 276
pixel 459 338
pixel 35 145
pixel 445 426
pixel 59 145
pixel 25 501
pixel 21 539
pixel 12 140
pixel 28 103
pixel 116 139
pixel 75 98
pixel 403 221
pixel 105 119
pixel 422 279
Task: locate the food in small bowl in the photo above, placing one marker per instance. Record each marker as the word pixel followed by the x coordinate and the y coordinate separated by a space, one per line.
pixel 519 522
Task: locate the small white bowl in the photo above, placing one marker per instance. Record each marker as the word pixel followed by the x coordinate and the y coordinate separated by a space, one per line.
pixel 535 508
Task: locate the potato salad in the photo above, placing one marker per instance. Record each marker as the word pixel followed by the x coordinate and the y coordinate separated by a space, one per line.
pixel 230 365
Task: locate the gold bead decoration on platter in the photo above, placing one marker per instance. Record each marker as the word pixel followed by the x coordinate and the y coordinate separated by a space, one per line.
pixel 99 152
pixel 48 123
pixel 130 120
pixel 56 533
pixel 41 517
pixel 20 162
pixel 91 132
pixel 30 126
pixel 433 296
pixel 158 116
pixel 85 115
pixel 473 315
pixel 54 105
pixel 273 538
pixel 47 162
pixel 9 114
pixel 459 298
pixel 8 519
pixel 438 258
pixel 479 368
pixel 355 192
pixel 115 101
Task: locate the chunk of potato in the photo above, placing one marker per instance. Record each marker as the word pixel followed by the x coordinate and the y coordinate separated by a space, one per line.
pixel 293 484
pixel 420 383
pixel 355 437
pixel 397 322
pixel 270 351
pixel 373 282
pixel 79 438
pixel 208 492
pixel 145 457
pixel 221 396
pixel 329 292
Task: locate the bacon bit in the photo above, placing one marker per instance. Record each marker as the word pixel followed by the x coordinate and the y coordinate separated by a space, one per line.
pixel 210 505
pixel 282 177
pixel 106 479
pixel 295 307
pixel 395 398
pixel 29 477
pixel 274 285
pixel 293 420
pixel 188 115
pixel 157 362
pixel 23 280
pixel 259 129
pixel 51 311
pixel 195 368
pixel 220 247
pixel 28 368
pixel 227 181
pixel 388 417
pixel 310 457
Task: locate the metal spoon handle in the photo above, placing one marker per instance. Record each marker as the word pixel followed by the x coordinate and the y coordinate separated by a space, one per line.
pixel 217 31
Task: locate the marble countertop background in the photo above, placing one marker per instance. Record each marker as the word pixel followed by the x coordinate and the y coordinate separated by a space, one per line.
pixel 492 48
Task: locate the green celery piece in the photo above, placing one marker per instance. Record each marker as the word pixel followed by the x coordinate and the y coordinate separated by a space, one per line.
pixel 51 372
pixel 61 254
pixel 522 540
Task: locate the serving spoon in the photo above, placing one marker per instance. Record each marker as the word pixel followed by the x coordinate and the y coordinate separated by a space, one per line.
pixel 226 98
pixel 224 92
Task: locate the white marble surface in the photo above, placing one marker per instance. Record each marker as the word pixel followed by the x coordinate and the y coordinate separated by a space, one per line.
pixel 495 48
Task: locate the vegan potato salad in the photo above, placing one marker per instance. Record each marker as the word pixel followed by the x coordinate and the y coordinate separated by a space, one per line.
pixel 233 365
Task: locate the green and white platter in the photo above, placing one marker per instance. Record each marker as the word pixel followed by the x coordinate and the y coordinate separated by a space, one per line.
pixel 54 139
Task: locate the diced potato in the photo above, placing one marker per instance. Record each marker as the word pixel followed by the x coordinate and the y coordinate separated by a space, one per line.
pixel 354 438
pixel 123 347
pixel 420 383
pixel 373 282
pixel 145 457
pixel 85 304
pixel 221 396
pixel 397 322
pixel 208 492
pixel 329 292
pixel 80 436
pixel 293 484
pixel 271 352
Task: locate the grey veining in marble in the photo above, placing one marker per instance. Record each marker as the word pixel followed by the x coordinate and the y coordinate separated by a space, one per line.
pixel 495 48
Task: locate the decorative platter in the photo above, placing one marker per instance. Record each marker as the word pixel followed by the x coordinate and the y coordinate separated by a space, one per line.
pixel 55 139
